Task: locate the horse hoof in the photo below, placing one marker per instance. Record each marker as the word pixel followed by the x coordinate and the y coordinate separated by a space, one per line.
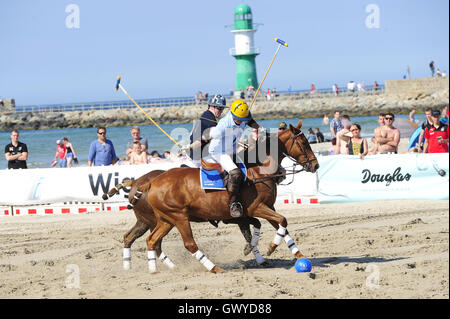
pixel 216 270
pixel 299 255
pixel 247 249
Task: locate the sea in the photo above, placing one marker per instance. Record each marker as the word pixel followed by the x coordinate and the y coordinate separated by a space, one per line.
pixel 42 143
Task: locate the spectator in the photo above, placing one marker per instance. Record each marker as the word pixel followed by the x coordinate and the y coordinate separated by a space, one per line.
pixel 343 136
pixel 166 155
pixel 388 137
pixel 60 155
pixel 313 89
pixel 154 157
pixel 438 73
pixel 357 145
pixel 444 116
pixel 428 123
pixel 16 153
pixel 436 136
pixel 137 156
pixel 335 89
pixel 268 95
pixel 351 86
pixel 376 86
pixel 376 132
pixel 312 138
pixel 325 120
pixel 283 126
pixel 336 124
pixel 432 68
pixel 70 155
pixel 412 116
pixel 101 151
pixel 136 136
pixel 320 137
pixel 332 147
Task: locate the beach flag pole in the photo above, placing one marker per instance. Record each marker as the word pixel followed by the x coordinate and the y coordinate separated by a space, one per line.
pixel 119 86
pixel 280 43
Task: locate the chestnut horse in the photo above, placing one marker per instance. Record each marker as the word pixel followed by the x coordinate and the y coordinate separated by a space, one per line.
pixel 145 219
pixel 176 196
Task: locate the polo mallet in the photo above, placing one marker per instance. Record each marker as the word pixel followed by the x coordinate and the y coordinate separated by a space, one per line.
pixel 118 85
pixel 280 43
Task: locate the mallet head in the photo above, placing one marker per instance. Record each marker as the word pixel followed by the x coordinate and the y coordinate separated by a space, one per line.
pixel 281 42
pixel 117 83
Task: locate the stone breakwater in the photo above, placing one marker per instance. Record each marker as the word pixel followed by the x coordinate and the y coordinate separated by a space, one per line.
pixel 282 107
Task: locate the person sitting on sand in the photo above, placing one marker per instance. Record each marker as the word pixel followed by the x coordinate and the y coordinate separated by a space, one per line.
pixel 137 156
pixel 343 136
pixel 357 145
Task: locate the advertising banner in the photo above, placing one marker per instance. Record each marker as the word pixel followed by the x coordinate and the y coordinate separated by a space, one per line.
pixel 347 178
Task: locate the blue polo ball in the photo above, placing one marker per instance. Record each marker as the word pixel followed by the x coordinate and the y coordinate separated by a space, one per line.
pixel 303 265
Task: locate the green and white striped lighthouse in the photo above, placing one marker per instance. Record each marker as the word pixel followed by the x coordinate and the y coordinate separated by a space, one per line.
pixel 244 50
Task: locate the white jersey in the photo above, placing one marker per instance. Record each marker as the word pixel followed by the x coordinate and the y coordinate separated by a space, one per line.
pixel 225 136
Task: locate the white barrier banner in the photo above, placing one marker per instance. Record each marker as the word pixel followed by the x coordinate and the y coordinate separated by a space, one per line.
pixel 383 177
pixel 88 184
pixel 55 185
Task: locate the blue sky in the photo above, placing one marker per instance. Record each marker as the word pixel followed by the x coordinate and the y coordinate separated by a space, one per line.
pixel 175 48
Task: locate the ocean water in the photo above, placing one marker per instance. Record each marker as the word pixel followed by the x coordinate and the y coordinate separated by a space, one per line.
pixel 42 143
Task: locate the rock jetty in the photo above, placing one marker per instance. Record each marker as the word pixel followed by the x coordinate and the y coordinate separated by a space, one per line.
pixel 394 99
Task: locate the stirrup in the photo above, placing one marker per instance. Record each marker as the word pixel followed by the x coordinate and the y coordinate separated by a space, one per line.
pixel 236 210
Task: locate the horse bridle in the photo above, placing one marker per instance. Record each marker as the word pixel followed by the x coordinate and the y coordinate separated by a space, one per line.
pixel 307 162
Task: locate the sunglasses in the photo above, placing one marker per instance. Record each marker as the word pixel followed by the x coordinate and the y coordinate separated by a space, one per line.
pixel 101 133
pixel 389 118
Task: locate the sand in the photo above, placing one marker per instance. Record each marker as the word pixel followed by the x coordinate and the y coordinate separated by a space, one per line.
pixel 391 249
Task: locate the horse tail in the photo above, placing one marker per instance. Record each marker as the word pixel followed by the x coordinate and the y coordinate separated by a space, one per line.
pixel 113 191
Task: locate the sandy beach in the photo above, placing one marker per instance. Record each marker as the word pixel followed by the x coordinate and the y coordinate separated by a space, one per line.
pixel 393 249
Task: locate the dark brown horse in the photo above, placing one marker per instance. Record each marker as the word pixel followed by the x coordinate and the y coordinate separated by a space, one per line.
pixel 176 197
pixel 145 219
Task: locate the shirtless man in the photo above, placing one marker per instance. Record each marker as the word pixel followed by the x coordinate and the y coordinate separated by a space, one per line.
pixel 389 136
pixel 137 156
pixel 343 137
pixel 376 132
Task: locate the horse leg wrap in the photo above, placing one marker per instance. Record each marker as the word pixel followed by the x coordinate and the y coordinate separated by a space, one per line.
pixel 259 258
pixel 166 261
pixel 279 235
pixel 136 197
pixel 127 258
pixel 152 261
pixel 203 260
pixel 255 236
pixel 291 244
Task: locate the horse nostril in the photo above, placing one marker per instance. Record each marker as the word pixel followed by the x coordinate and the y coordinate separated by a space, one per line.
pixel 316 167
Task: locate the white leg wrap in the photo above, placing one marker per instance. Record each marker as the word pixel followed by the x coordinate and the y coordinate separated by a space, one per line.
pixel 127 258
pixel 152 260
pixel 259 258
pixel 255 237
pixel 166 261
pixel 291 244
pixel 279 236
pixel 203 260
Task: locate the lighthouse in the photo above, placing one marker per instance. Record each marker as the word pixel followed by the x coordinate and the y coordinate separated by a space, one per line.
pixel 244 51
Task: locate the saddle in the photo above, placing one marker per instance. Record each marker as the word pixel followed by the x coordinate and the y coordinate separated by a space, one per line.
pixel 211 166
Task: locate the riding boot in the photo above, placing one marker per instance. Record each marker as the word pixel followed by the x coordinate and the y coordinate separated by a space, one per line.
pixel 234 184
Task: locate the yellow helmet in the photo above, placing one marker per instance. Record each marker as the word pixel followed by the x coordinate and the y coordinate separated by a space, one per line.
pixel 239 110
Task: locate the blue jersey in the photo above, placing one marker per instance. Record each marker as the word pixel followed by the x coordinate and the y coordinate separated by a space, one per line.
pixel 225 136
